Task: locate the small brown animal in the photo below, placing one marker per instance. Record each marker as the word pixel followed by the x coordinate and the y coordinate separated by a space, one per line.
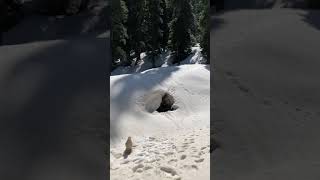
pixel 128 149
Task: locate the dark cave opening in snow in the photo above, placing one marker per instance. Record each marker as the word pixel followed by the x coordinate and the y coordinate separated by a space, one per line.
pixel 167 103
pixel 160 101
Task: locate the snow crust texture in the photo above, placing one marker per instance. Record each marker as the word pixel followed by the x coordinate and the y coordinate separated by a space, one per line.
pixel 184 155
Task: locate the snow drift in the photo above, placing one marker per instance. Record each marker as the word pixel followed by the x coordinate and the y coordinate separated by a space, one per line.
pixel 135 97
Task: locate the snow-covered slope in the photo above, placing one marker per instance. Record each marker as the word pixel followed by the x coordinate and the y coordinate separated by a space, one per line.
pixel 161 139
pixel 266 95
pixel 51 109
pixel 134 96
pixel 92 23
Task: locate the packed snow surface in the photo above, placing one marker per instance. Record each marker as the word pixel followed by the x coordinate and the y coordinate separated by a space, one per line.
pixel 177 155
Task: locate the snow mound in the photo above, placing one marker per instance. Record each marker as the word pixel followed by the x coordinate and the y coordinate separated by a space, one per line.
pixel 134 99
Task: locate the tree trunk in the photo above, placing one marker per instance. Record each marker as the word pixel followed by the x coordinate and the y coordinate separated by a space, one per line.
pixel 153 60
pixel 137 54
pixel 178 56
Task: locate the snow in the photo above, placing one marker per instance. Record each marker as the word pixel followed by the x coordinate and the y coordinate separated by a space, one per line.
pixel 181 155
pixel 163 60
pixel 131 96
pixel 161 138
pixel 52 105
pixel 196 57
pixel 153 101
pixel 266 94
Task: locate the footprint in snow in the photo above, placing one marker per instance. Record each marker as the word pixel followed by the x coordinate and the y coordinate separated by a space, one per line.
pixel 172 161
pixel 139 166
pixel 169 170
pixel 199 160
pixel 117 155
pixel 201 153
pixel 151 160
pixel 147 167
pixel 126 161
pixel 182 157
pixel 195 167
pixel 195 156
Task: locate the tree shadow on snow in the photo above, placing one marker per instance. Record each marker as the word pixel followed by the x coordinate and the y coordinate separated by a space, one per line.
pixel 312 17
pixel 208 67
pixel 36 27
pixel 53 111
pixel 128 87
pixel 217 22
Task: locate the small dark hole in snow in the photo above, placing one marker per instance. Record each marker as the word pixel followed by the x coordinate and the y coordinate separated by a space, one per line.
pixel 167 103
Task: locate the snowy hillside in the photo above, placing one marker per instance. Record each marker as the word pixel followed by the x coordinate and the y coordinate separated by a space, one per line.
pixel 134 97
pixel 166 136
pixel 266 94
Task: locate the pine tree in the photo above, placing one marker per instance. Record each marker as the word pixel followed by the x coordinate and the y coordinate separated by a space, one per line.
pixel 313 4
pixel 197 7
pixel 136 27
pixel 181 29
pixel 165 24
pixel 118 32
pixel 169 9
pixel 154 32
pixel 10 14
pixel 205 30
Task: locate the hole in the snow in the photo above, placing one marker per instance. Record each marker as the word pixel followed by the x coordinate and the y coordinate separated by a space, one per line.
pixel 167 103
pixel 160 101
